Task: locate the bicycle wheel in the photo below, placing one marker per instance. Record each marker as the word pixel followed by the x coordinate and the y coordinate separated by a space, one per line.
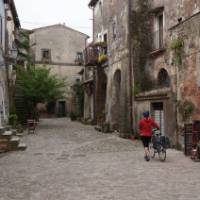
pixel 151 150
pixel 162 154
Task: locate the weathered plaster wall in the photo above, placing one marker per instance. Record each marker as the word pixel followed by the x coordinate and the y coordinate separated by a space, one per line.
pixel 184 80
pixel 63 42
pixel 189 76
pixel 2 16
pixel 108 16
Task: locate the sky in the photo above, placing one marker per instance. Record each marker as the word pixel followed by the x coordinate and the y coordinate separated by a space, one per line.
pixel 38 13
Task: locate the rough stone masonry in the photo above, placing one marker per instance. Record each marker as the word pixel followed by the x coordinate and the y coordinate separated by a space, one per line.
pixel 69 161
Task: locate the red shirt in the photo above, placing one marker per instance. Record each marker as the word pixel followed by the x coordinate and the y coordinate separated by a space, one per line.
pixel 146 125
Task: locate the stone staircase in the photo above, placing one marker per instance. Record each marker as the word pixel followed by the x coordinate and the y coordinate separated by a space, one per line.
pixel 10 140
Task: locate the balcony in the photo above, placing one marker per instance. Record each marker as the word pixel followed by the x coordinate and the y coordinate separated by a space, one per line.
pixel 91 56
pixel 158 44
pixel 95 54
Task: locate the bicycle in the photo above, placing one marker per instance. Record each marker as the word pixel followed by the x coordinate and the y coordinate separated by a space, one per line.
pixel 158 145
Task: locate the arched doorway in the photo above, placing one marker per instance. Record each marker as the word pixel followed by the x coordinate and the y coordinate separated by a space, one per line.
pixel 116 105
pixel 101 96
pixel 163 78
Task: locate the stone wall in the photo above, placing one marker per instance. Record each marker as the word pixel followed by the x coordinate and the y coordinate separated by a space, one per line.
pixel 111 18
pixel 64 43
pixel 177 22
pixel 189 76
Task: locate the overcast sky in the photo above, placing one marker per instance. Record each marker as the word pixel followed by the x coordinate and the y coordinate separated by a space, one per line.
pixel 37 13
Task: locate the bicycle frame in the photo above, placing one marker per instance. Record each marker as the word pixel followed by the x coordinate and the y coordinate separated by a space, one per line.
pixel 158 145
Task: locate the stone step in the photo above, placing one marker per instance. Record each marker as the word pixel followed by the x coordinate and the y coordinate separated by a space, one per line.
pixel 14 139
pixel 6 135
pixel 2 130
pixel 21 146
pixel 14 131
pixel 13 143
pixel 8 128
pixel 20 135
pixel 3 145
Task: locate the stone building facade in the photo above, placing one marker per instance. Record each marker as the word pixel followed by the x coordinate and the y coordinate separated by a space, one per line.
pixel 59 48
pixel 9 24
pixel 169 60
pixel 111 71
pixel 2 63
pixel 152 63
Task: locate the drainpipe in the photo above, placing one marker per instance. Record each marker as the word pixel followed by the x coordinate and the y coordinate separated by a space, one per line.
pixel 130 66
pixel 94 71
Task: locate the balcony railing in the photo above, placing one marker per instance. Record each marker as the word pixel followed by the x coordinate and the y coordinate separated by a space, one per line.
pixel 91 56
pixel 95 54
pixel 157 40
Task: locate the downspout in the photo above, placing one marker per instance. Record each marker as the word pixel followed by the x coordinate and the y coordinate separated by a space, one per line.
pixel 6 59
pixel 130 66
pixel 94 71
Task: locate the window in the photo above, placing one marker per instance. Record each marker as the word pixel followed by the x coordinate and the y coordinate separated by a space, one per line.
pixel 105 40
pixel 1 31
pixel 160 22
pixel 78 80
pixel 114 30
pixel 46 54
pixel 163 78
pixel 158 31
pixel 79 58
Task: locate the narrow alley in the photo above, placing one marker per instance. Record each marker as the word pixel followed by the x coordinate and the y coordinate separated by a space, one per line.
pixel 69 161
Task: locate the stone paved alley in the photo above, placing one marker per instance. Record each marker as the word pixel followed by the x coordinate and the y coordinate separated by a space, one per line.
pixel 69 161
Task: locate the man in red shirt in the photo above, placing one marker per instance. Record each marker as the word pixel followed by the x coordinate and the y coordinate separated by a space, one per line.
pixel 146 125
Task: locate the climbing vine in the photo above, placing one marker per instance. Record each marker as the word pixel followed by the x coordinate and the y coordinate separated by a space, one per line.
pixel 177 46
pixel 186 109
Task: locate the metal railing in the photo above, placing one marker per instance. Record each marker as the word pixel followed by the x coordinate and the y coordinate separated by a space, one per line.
pixel 93 52
pixel 91 55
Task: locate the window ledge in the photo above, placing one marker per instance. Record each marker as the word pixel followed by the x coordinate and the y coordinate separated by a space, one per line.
pixel 157 52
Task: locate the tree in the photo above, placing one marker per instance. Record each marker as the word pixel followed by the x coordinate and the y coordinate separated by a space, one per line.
pixel 78 93
pixel 37 85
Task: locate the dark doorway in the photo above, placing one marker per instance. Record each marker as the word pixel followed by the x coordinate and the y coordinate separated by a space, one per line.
pixel 116 105
pixel 101 90
pixel 61 109
pixel 51 108
pixel 158 115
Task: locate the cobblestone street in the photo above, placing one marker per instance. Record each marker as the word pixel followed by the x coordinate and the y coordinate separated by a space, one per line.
pixel 69 161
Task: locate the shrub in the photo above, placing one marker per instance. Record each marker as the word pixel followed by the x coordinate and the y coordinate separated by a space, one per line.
pixel 73 116
pixel 12 120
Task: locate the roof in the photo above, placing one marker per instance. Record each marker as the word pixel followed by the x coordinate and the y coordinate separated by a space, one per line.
pixel 11 3
pixel 93 3
pixel 182 22
pixel 63 26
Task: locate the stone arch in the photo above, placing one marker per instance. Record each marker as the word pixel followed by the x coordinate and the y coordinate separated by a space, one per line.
pixel 163 78
pixel 101 96
pixel 116 103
